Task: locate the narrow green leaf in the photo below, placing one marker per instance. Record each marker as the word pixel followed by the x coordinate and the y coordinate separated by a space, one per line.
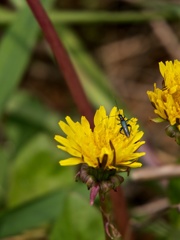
pixel 93 79
pixel 18 4
pixel 174 198
pixel 165 11
pixel 15 50
pixel 24 108
pixel 6 16
pixel 3 168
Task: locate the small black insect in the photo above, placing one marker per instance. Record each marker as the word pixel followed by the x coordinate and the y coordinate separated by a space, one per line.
pixel 124 124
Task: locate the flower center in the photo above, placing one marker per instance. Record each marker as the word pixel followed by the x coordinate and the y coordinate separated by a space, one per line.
pixel 101 174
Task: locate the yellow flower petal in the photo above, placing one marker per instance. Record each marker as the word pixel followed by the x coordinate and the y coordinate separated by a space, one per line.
pixel 136 164
pixel 166 101
pixel 70 161
pixel 106 146
pixel 100 116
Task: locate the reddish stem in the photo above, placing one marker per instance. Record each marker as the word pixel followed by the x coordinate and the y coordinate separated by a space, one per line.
pixel 104 211
pixel 121 214
pixel 63 60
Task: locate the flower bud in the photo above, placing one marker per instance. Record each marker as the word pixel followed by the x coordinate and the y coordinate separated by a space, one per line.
pixel 84 173
pixel 105 186
pixel 90 181
pixel 177 137
pixel 170 131
pixel 116 181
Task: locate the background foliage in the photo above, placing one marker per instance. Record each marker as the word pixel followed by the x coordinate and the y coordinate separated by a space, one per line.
pixel 115 47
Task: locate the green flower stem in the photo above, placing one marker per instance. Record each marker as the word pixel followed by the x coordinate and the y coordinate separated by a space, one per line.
pixel 63 60
pixel 104 212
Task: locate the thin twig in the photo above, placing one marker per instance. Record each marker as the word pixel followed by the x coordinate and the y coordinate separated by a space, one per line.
pixel 167 37
pixel 151 208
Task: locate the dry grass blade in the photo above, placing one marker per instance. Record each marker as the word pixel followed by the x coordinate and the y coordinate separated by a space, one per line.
pixel 167 37
pixel 158 172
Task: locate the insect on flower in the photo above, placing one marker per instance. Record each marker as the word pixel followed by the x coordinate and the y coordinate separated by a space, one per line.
pixel 124 124
pixel 123 121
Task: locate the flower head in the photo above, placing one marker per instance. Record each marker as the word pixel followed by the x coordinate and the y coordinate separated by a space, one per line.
pixel 166 100
pixel 105 147
pixel 103 151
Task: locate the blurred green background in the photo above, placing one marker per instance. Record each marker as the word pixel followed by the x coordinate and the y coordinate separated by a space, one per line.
pixel 115 47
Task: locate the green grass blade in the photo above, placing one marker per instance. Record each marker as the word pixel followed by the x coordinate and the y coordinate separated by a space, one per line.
pixel 164 11
pixel 15 51
pixel 92 77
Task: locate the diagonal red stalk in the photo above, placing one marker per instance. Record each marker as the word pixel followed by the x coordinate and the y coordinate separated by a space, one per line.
pixel 121 214
pixel 63 60
pixel 65 65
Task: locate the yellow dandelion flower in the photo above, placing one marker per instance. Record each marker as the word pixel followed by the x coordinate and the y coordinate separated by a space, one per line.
pixel 170 73
pixel 105 147
pixel 166 100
